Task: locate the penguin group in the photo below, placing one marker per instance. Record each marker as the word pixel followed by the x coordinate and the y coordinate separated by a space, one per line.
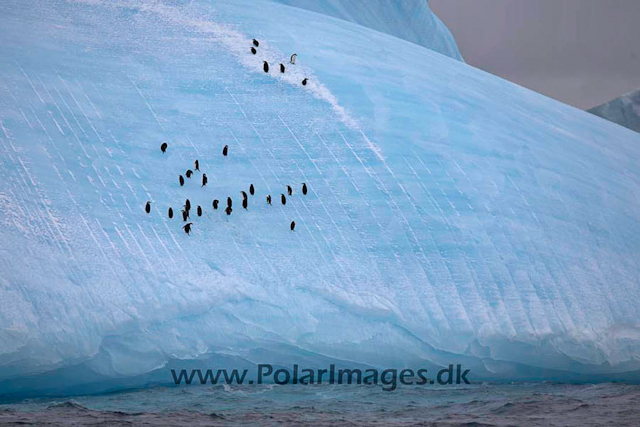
pixel 265 64
pixel 190 173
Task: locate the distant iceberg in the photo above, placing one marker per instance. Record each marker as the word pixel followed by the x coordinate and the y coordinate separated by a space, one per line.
pixel 624 110
pixel 451 217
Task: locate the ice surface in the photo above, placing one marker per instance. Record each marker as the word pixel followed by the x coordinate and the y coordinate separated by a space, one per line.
pixel 452 217
pixel 410 20
pixel 624 110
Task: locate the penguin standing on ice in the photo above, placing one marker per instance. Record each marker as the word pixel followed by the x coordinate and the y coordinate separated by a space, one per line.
pixel 225 150
pixel 189 173
pixel 228 210
pixel 304 82
pixel 293 58
pixel 256 43
pixel 181 181
pixel 185 215
pixel 163 147
pixel 253 50
pixel 187 227
pixel 187 205
pixel 199 211
pixel 252 190
pixel 304 188
pixel 244 204
pixel 283 199
pixel 289 190
pixel 170 213
pixel 293 226
pixel 204 179
pixel 197 165
pixel 269 199
pixel 147 208
pixel 265 67
pixel 215 204
pixel 281 67
pixel 244 195
pixel 229 202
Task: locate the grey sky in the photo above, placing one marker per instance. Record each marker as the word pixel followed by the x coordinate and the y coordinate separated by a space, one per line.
pixel 582 52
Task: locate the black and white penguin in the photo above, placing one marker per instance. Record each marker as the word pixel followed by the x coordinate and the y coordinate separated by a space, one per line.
pixel 269 199
pixel 304 82
pixel 215 204
pixel 244 195
pixel 283 199
pixel 188 173
pixel 293 226
pixel 225 150
pixel 255 43
pixel 252 190
pixel 304 188
pixel 147 207
pixel 199 211
pixel 170 213
pixel 185 215
pixel 244 204
pixel 187 227
pixel 229 202
pixel 181 181
pixel 281 67
pixel 289 190
pixel 293 58
pixel 163 147
pixel 253 50
pixel 204 179
pixel 187 204
pixel 265 67
pixel 228 210
pixel 197 165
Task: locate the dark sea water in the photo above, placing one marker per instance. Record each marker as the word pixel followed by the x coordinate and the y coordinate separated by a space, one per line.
pixel 535 404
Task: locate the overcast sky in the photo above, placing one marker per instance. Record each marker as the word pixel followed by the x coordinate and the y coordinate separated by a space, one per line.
pixel 582 52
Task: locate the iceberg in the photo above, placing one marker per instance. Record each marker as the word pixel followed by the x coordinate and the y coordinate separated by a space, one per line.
pixel 451 216
pixel 624 110
pixel 411 20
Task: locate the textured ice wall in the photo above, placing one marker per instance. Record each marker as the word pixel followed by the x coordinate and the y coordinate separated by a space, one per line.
pixel 624 110
pixel 452 217
pixel 411 20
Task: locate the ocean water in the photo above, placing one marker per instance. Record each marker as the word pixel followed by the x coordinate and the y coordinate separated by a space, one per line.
pixel 532 404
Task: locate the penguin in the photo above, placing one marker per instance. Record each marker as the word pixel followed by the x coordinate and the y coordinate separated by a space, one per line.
pixel 163 147
pixel 215 204
pixel 187 227
pixel 281 67
pixel 204 179
pixel 189 173
pixel 289 190
pixel 229 202
pixel 283 199
pixel 252 190
pixel 225 150
pixel 293 58
pixel 304 82
pixel 197 165
pixel 187 205
pixel 244 195
pixel 293 226
pixel 265 67
pixel 170 213
pixel 181 181
pixel 185 215
pixel 269 199
pixel 253 50
pixel 228 210
pixel 255 43
pixel 244 204
pixel 304 188
pixel 147 208
pixel 199 211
